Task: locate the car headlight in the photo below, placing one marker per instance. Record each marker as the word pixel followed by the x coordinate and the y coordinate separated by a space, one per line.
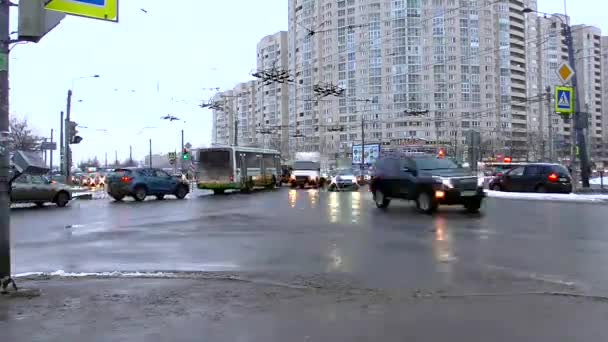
pixel 445 181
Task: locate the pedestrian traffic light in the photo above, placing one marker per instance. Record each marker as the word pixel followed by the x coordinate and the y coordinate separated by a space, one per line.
pixel 71 132
pixel 185 154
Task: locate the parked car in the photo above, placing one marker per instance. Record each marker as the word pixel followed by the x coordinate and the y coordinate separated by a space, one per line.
pixel 39 190
pixel 535 177
pixel 140 183
pixel 426 179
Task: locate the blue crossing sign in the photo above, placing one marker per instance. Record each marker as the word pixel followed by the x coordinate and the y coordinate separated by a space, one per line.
pixel 97 9
pixel 564 100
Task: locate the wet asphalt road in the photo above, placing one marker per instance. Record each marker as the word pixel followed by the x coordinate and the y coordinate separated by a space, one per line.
pixel 512 243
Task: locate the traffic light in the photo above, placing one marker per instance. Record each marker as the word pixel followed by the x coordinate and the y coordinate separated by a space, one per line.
pixel 71 132
pixel 185 154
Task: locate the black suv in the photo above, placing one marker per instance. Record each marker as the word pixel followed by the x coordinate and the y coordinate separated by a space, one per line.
pixel 537 177
pixel 426 179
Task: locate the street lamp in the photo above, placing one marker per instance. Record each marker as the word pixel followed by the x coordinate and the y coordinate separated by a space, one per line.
pixel 577 117
pixel 68 155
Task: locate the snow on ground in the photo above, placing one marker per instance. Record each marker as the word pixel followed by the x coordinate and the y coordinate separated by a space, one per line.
pixel 550 197
pixel 598 181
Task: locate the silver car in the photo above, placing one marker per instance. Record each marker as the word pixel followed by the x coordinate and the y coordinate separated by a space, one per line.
pixel 39 190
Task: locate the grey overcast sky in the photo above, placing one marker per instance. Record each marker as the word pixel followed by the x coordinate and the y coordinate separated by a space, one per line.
pixel 155 63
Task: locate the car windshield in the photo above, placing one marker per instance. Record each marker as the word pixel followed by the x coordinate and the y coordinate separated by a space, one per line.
pixel 306 165
pixel 435 164
pixel 344 173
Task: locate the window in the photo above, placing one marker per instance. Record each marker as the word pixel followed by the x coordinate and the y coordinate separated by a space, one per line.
pixel 517 171
pixel 533 170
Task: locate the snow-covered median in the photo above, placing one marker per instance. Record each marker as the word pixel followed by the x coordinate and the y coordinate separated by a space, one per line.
pixel 549 197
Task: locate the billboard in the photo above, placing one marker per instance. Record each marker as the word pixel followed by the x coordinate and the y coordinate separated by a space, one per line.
pixel 372 152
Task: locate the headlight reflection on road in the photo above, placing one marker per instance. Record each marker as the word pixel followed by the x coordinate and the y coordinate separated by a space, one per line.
pixel 312 197
pixel 442 245
pixel 293 197
pixel 334 207
pixel 356 206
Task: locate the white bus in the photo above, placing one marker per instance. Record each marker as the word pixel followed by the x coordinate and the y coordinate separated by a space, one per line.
pixel 239 168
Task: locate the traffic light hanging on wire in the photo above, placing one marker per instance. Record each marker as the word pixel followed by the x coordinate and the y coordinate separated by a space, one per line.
pixel 72 137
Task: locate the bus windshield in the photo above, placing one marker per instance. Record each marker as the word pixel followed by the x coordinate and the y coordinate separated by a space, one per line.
pixel 214 165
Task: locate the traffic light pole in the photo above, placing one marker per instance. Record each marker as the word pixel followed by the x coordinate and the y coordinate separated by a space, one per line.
pixel 68 152
pixel 5 229
pixel 182 159
pixel 577 119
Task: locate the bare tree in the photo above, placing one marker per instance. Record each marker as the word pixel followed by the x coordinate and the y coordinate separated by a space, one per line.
pixel 21 136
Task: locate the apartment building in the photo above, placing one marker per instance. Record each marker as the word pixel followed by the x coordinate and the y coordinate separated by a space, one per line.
pixel 236 115
pixel 604 59
pixel 588 61
pixel 464 63
pixel 272 100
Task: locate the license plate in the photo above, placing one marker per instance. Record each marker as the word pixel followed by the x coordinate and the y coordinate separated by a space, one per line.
pixel 468 193
pixel 563 179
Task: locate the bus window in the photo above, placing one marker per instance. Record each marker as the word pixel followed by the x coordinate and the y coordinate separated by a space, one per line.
pixel 214 165
pixel 270 164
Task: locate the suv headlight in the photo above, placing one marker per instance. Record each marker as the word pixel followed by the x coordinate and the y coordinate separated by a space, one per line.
pixel 445 181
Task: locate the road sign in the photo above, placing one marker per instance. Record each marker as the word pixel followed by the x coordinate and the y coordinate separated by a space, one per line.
pixel 564 100
pixel 172 156
pixel 47 145
pixel 565 72
pixel 96 9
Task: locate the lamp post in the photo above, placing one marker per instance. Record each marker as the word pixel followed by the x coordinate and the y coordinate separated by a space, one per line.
pixel 68 152
pixel 578 134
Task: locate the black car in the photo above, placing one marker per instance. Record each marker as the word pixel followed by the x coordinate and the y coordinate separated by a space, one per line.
pixel 426 179
pixel 535 177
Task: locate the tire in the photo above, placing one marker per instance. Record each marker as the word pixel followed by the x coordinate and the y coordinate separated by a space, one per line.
pixel 473 205
pixel 181 192
pixel 426 203
pixel 218 192
pixel 160 197
pixel 541 189
pixel 496 187
pixel 40 204
pixel 381 201
pixel 140 193
pixel 302 186
pixel 117 198
pixel 332 187
pixel 62 199
pixel 273 184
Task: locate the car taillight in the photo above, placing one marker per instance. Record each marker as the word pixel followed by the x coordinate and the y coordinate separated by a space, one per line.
pixel 553 177
pixel 499 174
pixel 126 179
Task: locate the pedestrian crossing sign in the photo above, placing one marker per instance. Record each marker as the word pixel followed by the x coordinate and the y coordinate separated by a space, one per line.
pixel 106 10
pixel 564 100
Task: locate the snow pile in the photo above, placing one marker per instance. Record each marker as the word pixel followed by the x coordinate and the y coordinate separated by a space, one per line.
pixel 598 181
pixel 548 197
pixel 114 274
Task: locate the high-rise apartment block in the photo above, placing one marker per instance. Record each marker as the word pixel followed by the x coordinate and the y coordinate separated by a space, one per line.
pixel 428 71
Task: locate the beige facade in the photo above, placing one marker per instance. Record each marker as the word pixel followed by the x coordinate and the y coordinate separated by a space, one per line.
pixel 272 121
pixel 466 65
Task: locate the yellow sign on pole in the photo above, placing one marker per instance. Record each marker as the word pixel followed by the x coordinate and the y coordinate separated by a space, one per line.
pixel 96 9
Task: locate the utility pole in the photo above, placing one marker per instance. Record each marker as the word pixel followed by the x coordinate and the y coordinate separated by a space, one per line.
pixel 150 161
pixel 106 160
pixel 51 152
pixel 130 155
pixel 362 143
pixel 115 158
pixel 236 132
pixel 68 152
pixel 182 158
pixel 5 229
pixel 61 147
pixel 550 124
pixel 577 122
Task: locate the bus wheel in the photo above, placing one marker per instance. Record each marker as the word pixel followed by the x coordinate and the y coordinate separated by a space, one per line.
pixel 218 192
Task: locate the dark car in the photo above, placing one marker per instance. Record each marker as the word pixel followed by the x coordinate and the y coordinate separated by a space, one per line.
pixel 536 177
pixel 426 179
pixel 140 183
